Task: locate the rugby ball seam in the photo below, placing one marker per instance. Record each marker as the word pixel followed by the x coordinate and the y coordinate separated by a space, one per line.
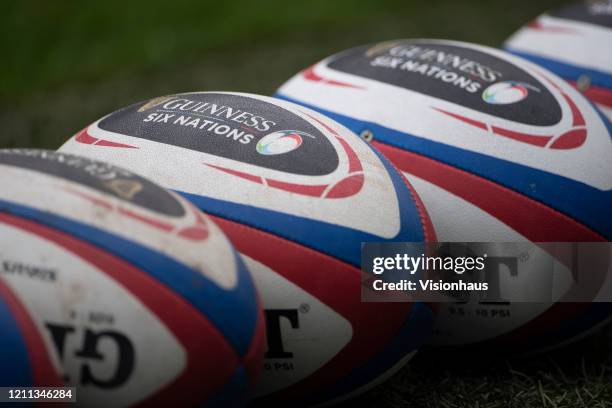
pixel 496 184
pixel 427 227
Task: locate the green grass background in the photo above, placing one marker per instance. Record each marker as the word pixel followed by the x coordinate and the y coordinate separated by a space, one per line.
pixel 66 63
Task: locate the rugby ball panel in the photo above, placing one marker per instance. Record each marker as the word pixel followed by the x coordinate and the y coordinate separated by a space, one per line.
pixel 519 156
pixel 22 348
pixel 324 335
pixel 316 202
pixel 100 331
pixel 103 226
pixel 572 42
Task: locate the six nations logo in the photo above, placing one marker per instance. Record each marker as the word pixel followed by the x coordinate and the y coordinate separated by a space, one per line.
pixel 282 141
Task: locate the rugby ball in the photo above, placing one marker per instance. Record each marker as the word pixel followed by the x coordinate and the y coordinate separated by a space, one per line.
pixel 297 194
pixel 120 288
pixel 574 42
pixel 499 150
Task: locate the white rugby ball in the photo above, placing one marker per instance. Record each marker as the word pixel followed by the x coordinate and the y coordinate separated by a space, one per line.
pixel 498 148
pixel 120 288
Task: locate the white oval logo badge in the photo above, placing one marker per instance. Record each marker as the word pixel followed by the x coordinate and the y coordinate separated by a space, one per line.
pixel 505 93
pixel 280 142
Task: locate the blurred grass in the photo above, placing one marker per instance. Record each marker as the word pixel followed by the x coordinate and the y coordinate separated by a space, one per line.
pixel 66 63
pixel 579 375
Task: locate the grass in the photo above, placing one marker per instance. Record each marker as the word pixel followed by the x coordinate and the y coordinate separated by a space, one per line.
pixel 66 63
pixel 579 375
